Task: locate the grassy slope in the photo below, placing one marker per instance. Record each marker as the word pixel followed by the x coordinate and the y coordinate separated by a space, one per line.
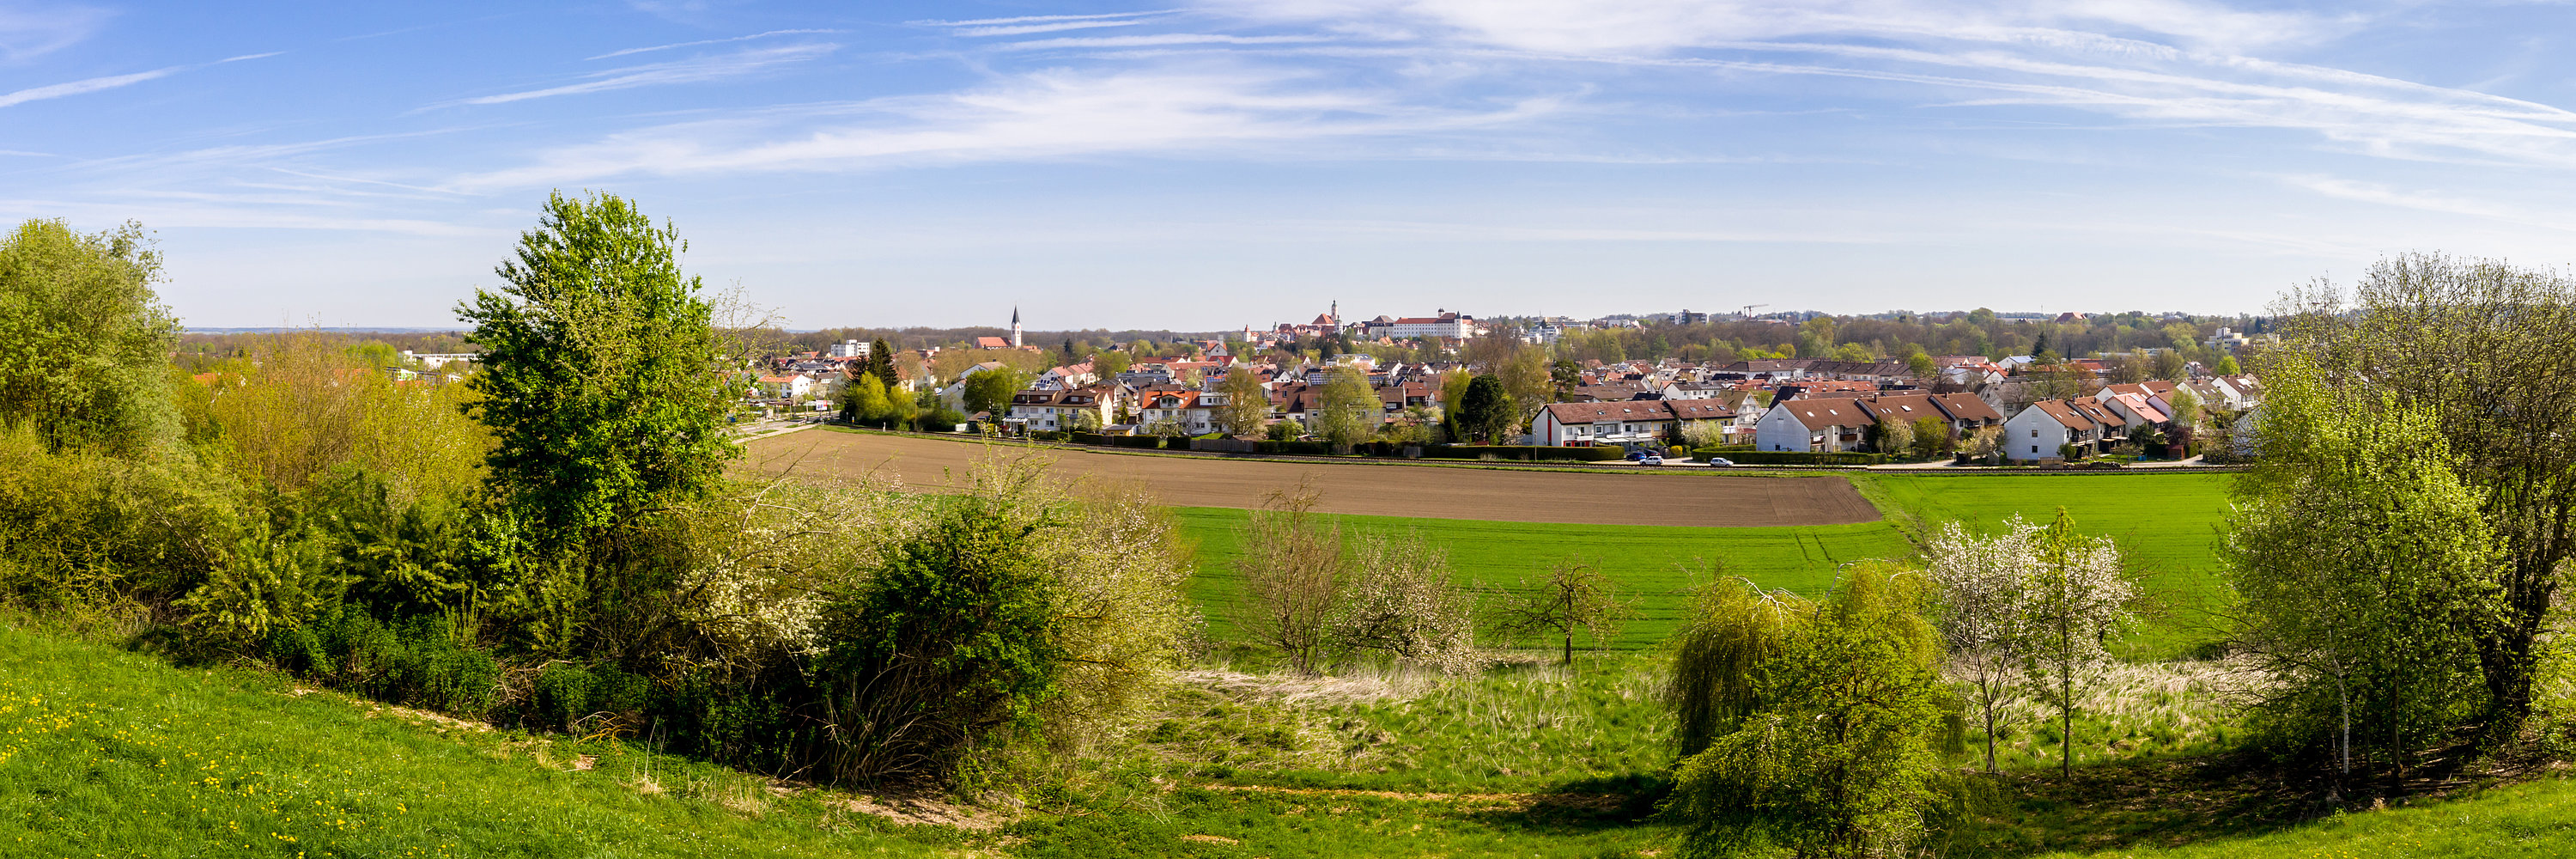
pixel 109 753
pixel 2165 522
pixel 2533 819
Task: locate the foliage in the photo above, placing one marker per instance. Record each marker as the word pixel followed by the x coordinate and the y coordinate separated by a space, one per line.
pixel 306 405
pixel 1346 411
pixel 1311 593
pixel 990 390
pixel 1895 438
pixel 1983 614
pixel 1982 443
pixel 1820 718
pixel 82 337
pixel 1699 434
pixel 864 400
pixel 84 528
pixel 2364 569
pixel 2076 599
pixel 1292 575
pixel 1574 597
pixel 942 650
pixel 1247 403
pixel 599 377
pixel 1933 437
pixel 2479 344
pixel 1485 410
pixel 1401 600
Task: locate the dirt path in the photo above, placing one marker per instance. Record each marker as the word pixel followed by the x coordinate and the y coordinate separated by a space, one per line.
pixel 1371 489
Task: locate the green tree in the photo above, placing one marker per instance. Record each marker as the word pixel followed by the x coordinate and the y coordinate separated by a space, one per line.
pixel 1808 728
pixel 2168 365
pixel 2077 600
pixel 1921 366
pixel 1485 411
pixel 881 364
pixel 1564 376
pixel 1247 403
pixel 600 374
pixel 864 400
pixel 991 390
pixel 1348 411
pixel 1933 437
pixel 2481 345
pixel 83 337
pixel 2227 366
pixel 2364 568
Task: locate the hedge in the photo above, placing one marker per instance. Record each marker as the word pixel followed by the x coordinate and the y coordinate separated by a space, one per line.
pixel 1788 457
pixel 1306 448
pixel 1522 453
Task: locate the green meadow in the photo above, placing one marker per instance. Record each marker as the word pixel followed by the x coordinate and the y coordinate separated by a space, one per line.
pixel 2165 523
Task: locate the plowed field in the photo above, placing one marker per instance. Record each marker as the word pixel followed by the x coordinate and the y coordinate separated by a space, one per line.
pixel 1669 497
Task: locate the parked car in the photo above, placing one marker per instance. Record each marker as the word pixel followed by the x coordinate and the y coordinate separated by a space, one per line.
pixel 1650 459
pixel 1720 462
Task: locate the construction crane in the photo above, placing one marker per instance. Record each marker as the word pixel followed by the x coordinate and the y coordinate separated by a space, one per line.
pixel 1748 310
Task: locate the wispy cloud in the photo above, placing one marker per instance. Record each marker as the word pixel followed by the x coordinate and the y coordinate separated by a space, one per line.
pixel 1026 29
pixel 1045 115
pixel 91 85
pixel 27 33
pixel 675 72
pixel 1159 40
pixel 1039 19
pixel 753 36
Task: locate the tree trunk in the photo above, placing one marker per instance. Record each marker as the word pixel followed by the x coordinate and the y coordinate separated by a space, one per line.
pixel 1569 648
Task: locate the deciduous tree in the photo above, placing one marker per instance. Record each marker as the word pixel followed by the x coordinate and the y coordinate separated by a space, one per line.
pixel 83 337
pixel 600 376
pixel 1574 597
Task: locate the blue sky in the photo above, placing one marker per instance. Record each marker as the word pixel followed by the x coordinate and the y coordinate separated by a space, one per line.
pixel 1212 163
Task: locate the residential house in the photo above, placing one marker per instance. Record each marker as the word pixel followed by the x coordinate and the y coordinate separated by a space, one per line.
pixel 1602 423
pixel 1962 413
pixel 1194 411
pixel 794 386
pixel 1047 409
pixel 1816 425
pixel 2041 433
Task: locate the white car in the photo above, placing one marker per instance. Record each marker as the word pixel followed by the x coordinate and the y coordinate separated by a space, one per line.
pixel 1651 459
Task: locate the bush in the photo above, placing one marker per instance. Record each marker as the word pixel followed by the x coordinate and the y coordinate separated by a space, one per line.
pixel 564 693
pixel 417 661
pixel 1808 728
pixel 1523 453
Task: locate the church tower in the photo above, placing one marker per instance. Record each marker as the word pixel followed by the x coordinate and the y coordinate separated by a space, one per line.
pixel 1015 327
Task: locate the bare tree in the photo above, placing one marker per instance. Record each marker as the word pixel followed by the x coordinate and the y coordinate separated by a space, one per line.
pixel 1403 600
pixel 1574 597
pixel 1292 576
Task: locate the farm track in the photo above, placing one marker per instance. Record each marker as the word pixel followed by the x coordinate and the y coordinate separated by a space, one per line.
pixel 1368 489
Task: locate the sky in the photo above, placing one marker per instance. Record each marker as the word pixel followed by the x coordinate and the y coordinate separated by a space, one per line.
pixel 1209 164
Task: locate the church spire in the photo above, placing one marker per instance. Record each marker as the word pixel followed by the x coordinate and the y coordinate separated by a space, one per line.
pixel 1015 326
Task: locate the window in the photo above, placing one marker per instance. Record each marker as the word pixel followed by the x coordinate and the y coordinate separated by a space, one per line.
pixel 2034 448
pixel 2034 433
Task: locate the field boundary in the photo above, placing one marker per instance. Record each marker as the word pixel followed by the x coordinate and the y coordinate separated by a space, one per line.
pixel 1499 465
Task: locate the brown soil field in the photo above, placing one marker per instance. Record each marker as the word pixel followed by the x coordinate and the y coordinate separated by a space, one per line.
pixel 1364 488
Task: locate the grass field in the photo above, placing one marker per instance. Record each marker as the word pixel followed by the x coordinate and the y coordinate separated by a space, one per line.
pixel 110 753
pixel 2164 523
